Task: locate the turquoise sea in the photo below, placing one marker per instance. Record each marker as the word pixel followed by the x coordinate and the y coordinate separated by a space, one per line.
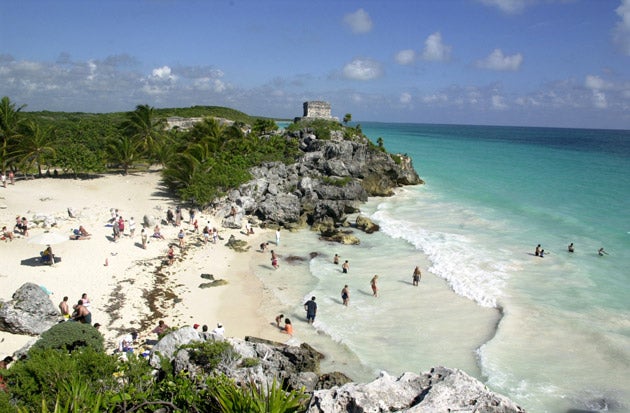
pixel 552 333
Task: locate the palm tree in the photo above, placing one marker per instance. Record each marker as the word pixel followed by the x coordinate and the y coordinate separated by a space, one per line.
pixel 123 151
pixel 143 126
pixel 35 147
pixel 347 118
pixel 10 122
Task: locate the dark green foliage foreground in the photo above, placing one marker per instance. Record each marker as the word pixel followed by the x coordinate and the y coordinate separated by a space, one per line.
pixel 86 380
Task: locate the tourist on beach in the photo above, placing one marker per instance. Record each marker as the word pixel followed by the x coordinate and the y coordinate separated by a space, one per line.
pixel 115 232
pixel 86 300
pixel 288 327
pixel 263 246
pixel 64 308
pixel 248 228
pixel 219 330
pixel 416 276
pixel 121 225
pixel 170 217
pixel 170 255
pixel 82 314
pixel 161 328
pixel 215 235
pixel 191 214
pixel 345 295
pixel 178 216
pixel 11 178
pixel 180 236
pixel 3 178
pixel 97 326
pixel 206 234
pixel 157 233
pixel 8 235
pixel 132 227
pixel 21 225
pixel 311 310
pixel 601 251
pixel 278 236
pixel 125 345
pixel 374 286
pixel 143 238
pixel 279 319
pixel 345 267
pixel 48 257
pixel 542 253
pixel 195 226
pixel 336 259
pixel 537 251
pixel 274 260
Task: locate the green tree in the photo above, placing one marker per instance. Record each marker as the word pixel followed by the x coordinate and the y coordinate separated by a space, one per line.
pixel 347 118
pixel 10 122
pixel 379 142
pixel 36 147
pixel 77 158
pixel 264 126
pixel 144 126
pixel 123 151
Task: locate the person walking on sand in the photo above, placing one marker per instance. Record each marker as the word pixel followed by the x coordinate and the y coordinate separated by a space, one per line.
pixel 311 310
pixel 170 255
pixel 132 227
pixel 345 267
pixel 180 236
pixel 278 236
pixel 374 286
pixel 416 276
pixel 345 295
pixel 143 238
pixel 274 260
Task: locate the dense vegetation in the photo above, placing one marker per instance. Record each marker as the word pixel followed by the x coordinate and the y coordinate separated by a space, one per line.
pixel 87 380
pixel 199 164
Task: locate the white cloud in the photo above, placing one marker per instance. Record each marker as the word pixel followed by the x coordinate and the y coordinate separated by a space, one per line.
pixel 362 69
pixel 405 57
pixel 498 61
pixel 359 21
pixel 434 49
pixel 596 84
pixel 163 74
pixel 435 98
pixel 405 98
pixel 498 102
pixel 621 33
pixel 507 6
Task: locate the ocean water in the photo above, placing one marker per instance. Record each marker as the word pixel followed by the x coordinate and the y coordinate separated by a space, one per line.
pixel 552 333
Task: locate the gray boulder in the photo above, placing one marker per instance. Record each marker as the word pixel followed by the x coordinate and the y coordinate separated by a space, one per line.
pixel 30 311
pixel 168 345
pixel 440 390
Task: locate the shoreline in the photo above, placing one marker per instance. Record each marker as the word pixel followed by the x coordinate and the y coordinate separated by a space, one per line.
pixel 130 288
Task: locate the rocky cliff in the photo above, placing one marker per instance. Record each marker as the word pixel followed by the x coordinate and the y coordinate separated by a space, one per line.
pixel 330 180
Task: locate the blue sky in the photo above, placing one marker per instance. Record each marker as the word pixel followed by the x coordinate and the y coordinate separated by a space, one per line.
pixel 562 63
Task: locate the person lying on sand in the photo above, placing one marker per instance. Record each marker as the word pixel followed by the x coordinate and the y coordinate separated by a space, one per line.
pixel 80 233
pixel 6 234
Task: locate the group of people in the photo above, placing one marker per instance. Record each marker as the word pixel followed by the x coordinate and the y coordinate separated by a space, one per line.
pixel 540 252
pixel 10 177
pixel 80 311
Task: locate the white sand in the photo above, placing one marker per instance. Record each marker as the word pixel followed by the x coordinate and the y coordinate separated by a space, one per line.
pixel 127 293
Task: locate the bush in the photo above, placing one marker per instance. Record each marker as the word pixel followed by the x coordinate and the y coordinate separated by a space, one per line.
pixel 210 354
pixel 250 362
pixel 254 399
pixel 70 336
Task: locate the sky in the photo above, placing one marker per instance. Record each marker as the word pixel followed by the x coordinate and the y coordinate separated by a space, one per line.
pixel 558 63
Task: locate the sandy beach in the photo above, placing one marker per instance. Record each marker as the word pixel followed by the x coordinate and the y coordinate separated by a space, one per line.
pixel 130 288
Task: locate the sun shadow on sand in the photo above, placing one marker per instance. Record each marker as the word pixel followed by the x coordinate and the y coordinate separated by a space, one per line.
pixel 37 262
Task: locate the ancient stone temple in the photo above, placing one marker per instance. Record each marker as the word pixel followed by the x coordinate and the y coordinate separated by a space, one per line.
pixel 317 109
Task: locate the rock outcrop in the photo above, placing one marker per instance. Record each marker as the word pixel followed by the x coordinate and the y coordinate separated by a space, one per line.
pixel 261 361
pixel 330 180
pixel 30 311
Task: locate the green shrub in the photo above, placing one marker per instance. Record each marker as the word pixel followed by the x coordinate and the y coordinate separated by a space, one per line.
pixel 250 362
pixel 339 182
pixel 255 400
pixel 69 336
pixel 210 354
pixel 50 375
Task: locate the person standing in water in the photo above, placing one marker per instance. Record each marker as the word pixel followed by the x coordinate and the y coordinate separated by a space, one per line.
pixel 537 251
pixel 570 248
pixel 345 295
pixel 374 286
pixel 345 267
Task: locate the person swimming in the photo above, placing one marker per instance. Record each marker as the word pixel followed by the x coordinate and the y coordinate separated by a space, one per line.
pixel 570 248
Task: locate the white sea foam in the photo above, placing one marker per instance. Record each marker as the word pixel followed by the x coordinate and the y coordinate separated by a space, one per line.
pixel 470 269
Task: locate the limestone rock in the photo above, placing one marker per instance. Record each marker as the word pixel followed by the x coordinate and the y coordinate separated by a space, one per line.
pixel 364 223
pixel 169 344
pixel 440 390
pixel 29 311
